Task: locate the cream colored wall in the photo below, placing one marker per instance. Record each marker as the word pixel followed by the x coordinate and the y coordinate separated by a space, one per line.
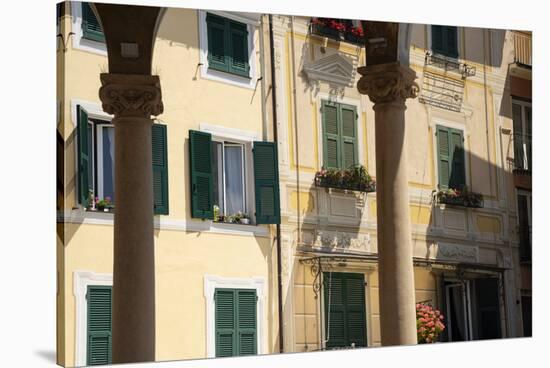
pixel 182 257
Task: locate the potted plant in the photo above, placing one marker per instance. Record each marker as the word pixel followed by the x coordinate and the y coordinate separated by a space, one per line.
pixel 354 178
pixel 245 219
pixel 216 213
pixel 103 204
pixel 457 197
pixel 429 323
pixel 354 34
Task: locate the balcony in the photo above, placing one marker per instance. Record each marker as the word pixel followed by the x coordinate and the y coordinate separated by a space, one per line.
pixel 341 30
pixel 523 54
pixel 522 163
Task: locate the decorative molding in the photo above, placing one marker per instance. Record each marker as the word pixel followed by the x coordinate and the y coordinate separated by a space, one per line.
pixel 386 83
pixel 81 281
pixel 131 95
pixel 456 252
pixel 334 69
pixel 230 133
pixel 336 241
pixel 213 282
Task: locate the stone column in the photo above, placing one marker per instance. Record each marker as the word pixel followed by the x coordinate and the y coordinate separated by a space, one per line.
pixel 388 86
pixel 132 99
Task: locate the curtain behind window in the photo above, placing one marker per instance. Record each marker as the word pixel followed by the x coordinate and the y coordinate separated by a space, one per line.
pixel 234 185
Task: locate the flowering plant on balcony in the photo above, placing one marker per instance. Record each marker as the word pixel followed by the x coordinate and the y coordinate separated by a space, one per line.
pixel 354 178
pixel 429 323
pixel 463 197
pixel 337 29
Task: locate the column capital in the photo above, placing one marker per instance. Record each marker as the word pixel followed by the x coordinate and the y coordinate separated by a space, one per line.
pixel 387 83
pixel 131 95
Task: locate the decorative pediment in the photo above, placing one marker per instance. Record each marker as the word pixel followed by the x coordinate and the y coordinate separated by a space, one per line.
pixel 334 69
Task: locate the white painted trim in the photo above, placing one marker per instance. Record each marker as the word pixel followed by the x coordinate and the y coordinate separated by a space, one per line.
pixel 347 101
pixel 81 281
pixel 238 135
pixel 81 216
pixel 99 152
pixel 218 76
pixel 213 282
pixel 94 110
pixel 79 42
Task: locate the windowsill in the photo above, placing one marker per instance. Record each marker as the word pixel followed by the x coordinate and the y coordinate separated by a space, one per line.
pixel 106 210
pixel 233 223
pixel 238 75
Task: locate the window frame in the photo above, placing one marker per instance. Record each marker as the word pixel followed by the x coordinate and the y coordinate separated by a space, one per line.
pixel 524 124
pixel 98 156
pixel 437 52
pixel 220 76
pixel 78 39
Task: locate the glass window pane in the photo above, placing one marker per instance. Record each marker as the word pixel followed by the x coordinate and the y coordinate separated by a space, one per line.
pixel 109 163
pixel 217 174
pixel 91 158
pixel 234 185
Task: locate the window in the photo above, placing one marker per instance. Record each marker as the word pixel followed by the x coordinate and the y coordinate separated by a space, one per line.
pixel 521 114
pixel 91 29
pixel 99 324
pixel 235 322
pixel 450 151
pixel 524 220
pixel 96 154
pixel 228 172
pixel 227 45
pixel 527 314
pixel 218 178
pixel 445 40
pixel 472 309
pixel 339 135
pixel 345 319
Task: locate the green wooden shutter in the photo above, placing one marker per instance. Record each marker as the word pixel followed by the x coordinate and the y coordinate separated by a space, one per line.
pixel 246 316
pixel 345 317
pixel 99 325
pixel 202 191
pixel 84 156
pixel 218 47
pixel 452 41
pixel 91 29
pixel 444 156
pixel 348 117
pixel 160 169
pixel 266 183
pixel 437 39
pixel 238 53
pixel 225 322
pixel 331 136
pixel 445 40
pixel 457 175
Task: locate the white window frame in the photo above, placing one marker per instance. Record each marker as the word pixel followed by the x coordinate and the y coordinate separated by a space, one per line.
pixel 79 42
pixel 523 105
pixel 467 305
pixel 226 143
pixel 465 135
pixel 219 76
pixel 81 281
pixel 98 151
pixel 245 138
pixel 213 282
pixel 458 41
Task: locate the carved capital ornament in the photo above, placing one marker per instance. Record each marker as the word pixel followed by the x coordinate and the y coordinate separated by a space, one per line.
pixel 387 83
pixel 128 95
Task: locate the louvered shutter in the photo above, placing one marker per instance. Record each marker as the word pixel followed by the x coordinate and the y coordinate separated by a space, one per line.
pixel 202 191
pixel 355 309
pixel 160 169
pixel 345 317
pixel 91 29
pixel 217 43
pixel 457 178
pixel 238 41
pixel 246 316
pixel 488 309
pixel 225 322
pixel 335 319
pixel 451 40
pixel 266 183
pixel 518 136
pixel 444 156
pixel 437 39
pixel 445 40
pixel 331 136
pixel 99 300
pixel 84 156
pixel 348 116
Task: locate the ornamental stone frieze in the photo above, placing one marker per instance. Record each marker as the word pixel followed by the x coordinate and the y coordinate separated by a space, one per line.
pixel 131 95
pixel 387 83
pixel 455 252
pixel 336 241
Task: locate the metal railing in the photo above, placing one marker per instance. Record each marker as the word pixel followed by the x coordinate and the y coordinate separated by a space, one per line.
pixel 522 152
pixel 523 51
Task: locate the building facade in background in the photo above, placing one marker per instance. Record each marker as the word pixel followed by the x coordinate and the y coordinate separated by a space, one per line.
pixel 236 154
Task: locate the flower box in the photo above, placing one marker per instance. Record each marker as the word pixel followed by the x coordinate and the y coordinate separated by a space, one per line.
pixel 323 30
pixel 355 178
pixel 337 29
pixel 462 198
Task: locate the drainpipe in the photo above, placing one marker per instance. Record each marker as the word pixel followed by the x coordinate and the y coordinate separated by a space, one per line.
pixel 278 226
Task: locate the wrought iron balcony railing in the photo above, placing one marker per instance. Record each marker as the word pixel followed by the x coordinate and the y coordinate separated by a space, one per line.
pixel 522 153
pixel 523 51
